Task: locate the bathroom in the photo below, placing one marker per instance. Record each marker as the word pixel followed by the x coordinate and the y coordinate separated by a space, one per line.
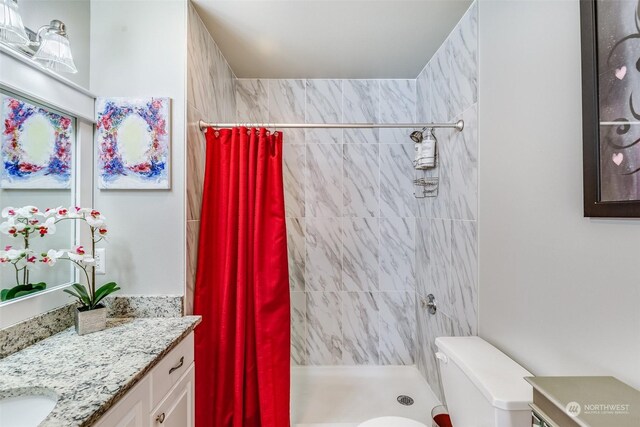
pixel 405 267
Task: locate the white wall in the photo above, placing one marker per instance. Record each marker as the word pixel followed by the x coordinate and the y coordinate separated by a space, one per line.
pixel 139 49
pixel 558 292
pixel 75 14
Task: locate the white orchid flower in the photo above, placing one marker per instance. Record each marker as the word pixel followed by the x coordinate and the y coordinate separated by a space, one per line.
pixel 84 259
pixel 75 212
pixel 8 227
pixel 50 212
pixel 51 256
pixel 62 212
pixel 102 230
pixel 49 227
pixel 27 211
pixel 12 228
pixel 14 254
pixel 8 212
pixel 77 253
pixel 95 222
pixel 74 256
pixel 4 258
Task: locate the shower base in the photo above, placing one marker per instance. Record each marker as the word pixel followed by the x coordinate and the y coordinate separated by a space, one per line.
pixel 344 396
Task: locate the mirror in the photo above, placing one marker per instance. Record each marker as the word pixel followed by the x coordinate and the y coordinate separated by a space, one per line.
pixel 37 172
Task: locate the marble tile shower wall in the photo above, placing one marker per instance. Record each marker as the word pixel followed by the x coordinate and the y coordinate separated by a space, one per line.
pixel 350 216
pixel 210 96
pixel 446 226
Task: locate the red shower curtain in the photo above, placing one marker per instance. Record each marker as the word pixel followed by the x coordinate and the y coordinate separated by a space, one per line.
pixel 242 285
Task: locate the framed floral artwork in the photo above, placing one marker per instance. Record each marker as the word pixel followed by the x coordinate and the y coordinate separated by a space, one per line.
pixel 37 145
pixel 133 143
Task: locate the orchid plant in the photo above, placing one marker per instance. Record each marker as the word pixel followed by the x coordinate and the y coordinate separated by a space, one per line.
pixel 23 223
pixel 28 221
pixel 89 298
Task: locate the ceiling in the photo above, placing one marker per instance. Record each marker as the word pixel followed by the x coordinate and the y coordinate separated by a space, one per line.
pixel 329 38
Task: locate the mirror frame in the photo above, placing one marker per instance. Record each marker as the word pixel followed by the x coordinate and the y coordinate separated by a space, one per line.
pixel 23 78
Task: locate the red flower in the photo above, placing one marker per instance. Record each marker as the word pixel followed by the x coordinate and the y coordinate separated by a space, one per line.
pixel 141 167
pixel 106 122
pixel 28 167
pixel 8 127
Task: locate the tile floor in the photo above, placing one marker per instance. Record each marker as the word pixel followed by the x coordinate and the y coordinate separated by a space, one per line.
pixel 344 396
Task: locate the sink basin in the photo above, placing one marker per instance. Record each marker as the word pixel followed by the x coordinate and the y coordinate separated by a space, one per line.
pixel 26 410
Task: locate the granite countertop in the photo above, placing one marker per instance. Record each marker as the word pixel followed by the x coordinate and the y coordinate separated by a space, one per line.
pixel 90 373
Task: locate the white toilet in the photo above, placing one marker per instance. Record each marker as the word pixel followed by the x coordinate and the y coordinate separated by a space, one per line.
pixel 482 387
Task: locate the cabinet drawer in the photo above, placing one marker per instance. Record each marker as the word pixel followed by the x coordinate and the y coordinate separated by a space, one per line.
pixel 167 373
pixel 177 408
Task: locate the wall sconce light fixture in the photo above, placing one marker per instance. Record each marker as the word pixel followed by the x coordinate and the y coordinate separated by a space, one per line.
pixel 54 51
pixel 11 27
pixel 49 46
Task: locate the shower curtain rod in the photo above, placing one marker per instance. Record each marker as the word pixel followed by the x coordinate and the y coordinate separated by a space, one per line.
pixel 459 125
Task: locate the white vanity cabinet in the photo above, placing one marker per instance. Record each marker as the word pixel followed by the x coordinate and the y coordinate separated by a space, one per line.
pixel 163 398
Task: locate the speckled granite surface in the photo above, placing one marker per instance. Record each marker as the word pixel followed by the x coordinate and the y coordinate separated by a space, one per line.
pixel 22 335
pixel 90 373
pixel 144 306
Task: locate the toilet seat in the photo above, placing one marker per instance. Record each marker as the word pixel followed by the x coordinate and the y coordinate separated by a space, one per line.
pixel 391 422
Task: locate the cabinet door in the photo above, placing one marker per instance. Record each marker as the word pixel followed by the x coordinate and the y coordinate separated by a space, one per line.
pixel 177 409
pixel 131 411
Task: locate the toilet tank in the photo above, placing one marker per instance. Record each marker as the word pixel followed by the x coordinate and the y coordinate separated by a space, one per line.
pixel 482 386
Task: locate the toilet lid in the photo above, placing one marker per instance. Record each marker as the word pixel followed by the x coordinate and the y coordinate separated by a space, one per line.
pixel 391 422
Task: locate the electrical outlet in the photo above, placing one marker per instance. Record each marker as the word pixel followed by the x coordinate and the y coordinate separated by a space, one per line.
pixel 101 261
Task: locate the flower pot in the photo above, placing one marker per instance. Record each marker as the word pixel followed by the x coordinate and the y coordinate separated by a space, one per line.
pixel 88 321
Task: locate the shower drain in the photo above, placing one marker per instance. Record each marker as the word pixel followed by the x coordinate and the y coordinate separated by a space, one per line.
pixel 405 400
